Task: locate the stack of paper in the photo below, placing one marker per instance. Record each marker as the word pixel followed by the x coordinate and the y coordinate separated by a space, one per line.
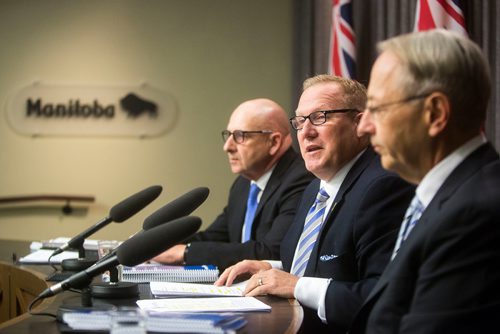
pixel 90 244
pixel 148 272
pixel 41 256
pixel 211 304
pixel 161 322
pixel 172 289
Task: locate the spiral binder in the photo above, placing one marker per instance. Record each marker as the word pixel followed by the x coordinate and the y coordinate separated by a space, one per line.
pixel 148 272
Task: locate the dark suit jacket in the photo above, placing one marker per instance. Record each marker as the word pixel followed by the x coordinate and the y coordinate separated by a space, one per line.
pixel 220 243
pixel 446 276
pixel 355 241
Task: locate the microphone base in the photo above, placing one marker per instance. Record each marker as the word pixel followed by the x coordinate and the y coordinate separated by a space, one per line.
pixel 114 290
pixel 76 265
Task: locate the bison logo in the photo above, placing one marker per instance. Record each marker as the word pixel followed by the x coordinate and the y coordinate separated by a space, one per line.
pixel 135 106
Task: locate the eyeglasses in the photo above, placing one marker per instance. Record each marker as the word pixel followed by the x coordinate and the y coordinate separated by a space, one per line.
pixel 239 135
pixel 380 107
pixel 316 118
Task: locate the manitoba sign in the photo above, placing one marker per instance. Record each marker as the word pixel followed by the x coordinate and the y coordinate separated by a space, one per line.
pixel 85 110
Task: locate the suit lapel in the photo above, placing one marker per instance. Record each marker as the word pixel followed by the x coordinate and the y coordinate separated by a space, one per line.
pixel 352 176
pixel 480 157
pixel 272 185
pixel 239 207
pixel 350 179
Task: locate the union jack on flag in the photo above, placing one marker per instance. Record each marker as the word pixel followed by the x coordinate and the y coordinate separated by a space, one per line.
pixel 446 14
pixel 342 55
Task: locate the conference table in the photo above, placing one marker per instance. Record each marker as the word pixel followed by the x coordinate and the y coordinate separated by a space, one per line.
pixel 285 315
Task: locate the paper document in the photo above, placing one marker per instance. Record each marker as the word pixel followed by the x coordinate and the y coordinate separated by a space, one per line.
pixel 172 289
pixel 41 256
pixel 148 272
pixel 211 304
pixel 161 322
pixel 89 244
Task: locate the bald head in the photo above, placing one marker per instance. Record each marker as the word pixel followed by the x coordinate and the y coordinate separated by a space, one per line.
pixel 268 140
pixel 264 113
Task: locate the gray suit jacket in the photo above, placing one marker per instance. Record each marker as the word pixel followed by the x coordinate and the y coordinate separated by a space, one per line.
pixel 446 276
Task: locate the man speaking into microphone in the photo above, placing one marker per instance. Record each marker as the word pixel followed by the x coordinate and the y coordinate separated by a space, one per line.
pixel 263 198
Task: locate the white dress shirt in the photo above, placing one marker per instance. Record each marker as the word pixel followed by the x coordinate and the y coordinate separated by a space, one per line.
pixel 434 179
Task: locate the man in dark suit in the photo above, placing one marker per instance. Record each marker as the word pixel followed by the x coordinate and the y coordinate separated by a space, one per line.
pixel 258 143
pixel 362 212
pixel 428 96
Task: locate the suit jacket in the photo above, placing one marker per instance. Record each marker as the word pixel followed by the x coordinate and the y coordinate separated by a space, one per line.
pixel 446 275
pixel 355 241
pixel 220 243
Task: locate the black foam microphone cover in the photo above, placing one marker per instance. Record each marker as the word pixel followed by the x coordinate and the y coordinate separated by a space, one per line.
pixel 133 204
pixel 152 242
pixel 180 207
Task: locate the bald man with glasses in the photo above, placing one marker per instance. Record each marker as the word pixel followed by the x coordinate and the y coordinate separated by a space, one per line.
pixel 263 198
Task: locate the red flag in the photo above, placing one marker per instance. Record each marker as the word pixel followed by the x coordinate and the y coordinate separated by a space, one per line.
pixel 342 57
pixel 446 14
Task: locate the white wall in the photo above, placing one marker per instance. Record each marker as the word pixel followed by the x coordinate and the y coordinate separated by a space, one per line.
pixel 210 55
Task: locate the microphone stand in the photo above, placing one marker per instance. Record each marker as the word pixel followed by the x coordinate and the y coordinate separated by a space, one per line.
pixel 114 288
pixel 78 264
pixel 105 290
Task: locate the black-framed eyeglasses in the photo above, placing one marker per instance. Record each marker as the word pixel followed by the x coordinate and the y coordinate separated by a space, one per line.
pixel 316 118
pixel 380 107
pixel 239 135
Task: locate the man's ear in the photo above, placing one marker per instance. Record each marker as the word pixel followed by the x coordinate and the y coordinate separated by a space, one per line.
pixel 357 120
pixel 437 109
pixel 276 140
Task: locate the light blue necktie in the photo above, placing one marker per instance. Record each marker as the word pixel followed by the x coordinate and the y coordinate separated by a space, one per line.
pixel 413 214
pixel 310 233
pixel 250 213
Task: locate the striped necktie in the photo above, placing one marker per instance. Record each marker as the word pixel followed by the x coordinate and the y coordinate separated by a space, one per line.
pixel 312 226
pixel 413 214
pixel 250 213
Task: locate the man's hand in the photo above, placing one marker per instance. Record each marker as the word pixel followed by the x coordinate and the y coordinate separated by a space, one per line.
pixel 173 255
pixel 272 282
pixel 242 267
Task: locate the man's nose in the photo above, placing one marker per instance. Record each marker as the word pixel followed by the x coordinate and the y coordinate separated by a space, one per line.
pixel 366 125
pixel 308 129
pixel 229 145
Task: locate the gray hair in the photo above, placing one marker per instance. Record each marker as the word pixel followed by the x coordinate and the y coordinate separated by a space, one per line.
pixel 440 60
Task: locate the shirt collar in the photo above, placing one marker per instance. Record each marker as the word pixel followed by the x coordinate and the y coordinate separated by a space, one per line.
pixel 262 181
pixel 332 187
pixel 435 178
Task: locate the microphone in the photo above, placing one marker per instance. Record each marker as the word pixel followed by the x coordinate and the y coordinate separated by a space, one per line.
pixel 179 207
pixel 131 252
pixel 118 213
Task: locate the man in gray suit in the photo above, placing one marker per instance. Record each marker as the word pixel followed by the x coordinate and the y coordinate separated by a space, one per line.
pixel 427 103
